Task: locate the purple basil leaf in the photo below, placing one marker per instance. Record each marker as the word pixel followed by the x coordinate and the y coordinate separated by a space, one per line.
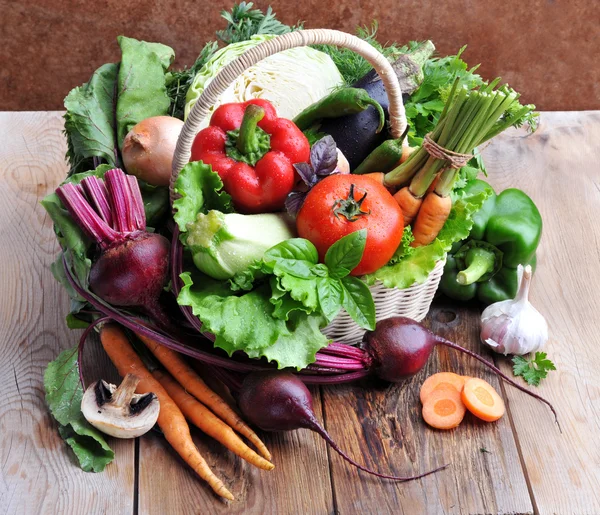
pixel 294 202
pixel 323 156
pixel 306 173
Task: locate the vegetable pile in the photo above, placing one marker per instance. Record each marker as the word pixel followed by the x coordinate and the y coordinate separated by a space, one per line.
pixel 295 201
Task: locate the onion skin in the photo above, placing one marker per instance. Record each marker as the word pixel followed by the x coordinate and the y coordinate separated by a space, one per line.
pixel 148 149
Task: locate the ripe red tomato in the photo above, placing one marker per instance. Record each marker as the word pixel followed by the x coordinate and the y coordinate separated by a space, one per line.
pixel 342 204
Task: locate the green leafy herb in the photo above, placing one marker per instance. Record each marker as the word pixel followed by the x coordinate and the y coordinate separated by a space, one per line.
pixel 178 82
pixel 346 253
pixel 353 66
pixel 63 396
pixel 89 121
pixel 142 91
pixel 532 369
pixel 243 22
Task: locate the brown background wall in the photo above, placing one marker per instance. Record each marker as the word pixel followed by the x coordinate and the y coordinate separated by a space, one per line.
pixel 547 49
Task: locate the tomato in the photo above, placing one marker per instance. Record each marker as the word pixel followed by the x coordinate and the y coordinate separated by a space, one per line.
pixel 341 204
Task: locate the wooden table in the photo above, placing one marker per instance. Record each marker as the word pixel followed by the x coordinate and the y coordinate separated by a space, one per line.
pixel 522 464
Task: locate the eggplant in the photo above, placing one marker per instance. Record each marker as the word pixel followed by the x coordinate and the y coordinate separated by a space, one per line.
pixel 355 134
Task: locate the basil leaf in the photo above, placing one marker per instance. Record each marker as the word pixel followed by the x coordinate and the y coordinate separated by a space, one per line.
pixel 306 173
pixel 358 302
pixel 294 248
pixel 331 293
pixel 346 253
pixel 323 156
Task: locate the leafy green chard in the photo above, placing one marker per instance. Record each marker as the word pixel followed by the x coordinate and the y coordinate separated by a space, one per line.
pixel 63 396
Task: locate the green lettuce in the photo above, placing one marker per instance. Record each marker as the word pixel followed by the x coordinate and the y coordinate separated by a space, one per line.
pixel 246 322
pixel 415 266
pixel 63 396
pixel 199 190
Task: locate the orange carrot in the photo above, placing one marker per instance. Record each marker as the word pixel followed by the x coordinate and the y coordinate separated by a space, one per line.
pixel 458 382
pixel 443 408
pixel 208 422
pixel 482 400
pixel 409 204
pixel 431 218
pixel 170 419
pixel 434 183
pixel 193 383
pixel 376 176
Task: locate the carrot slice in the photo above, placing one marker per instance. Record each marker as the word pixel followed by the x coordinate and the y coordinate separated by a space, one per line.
pixel 482 400
pixel 443 408
pixel 458 382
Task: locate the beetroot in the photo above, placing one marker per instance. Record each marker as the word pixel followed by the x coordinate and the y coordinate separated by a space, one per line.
pixel 279 401
pixel 132 268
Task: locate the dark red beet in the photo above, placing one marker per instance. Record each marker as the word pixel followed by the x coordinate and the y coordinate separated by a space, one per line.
pixel 399 348
pixel 132 273
pixel 279 401
pixel 133 264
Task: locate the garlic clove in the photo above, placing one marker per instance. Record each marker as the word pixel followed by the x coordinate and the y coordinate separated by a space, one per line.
pixel 515 326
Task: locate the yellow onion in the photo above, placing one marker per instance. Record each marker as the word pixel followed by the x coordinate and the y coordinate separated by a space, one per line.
pixel 148 149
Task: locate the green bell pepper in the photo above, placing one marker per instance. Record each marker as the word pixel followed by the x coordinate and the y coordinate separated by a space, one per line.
pixel 506 232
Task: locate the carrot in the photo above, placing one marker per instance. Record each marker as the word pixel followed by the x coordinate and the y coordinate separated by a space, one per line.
pixel 434 183
pixel 482 400
pixel 193 383
pixel 170 419
pixel 208 422
pixel 409 204
pixel 431 218
pixel 443 408
pixel 454 380
pixel 376 176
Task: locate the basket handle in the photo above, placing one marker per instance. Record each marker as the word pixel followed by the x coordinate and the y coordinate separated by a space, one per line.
pixel 278 44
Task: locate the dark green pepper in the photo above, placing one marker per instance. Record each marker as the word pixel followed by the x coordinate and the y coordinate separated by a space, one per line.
pixel 506 232
pixel 340 102
pixel 385 157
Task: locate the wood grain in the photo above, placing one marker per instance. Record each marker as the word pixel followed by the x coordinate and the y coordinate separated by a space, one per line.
pixel 558 167
pixel 381 425
pixel 38 473
pixel 300 482
pixel 530 466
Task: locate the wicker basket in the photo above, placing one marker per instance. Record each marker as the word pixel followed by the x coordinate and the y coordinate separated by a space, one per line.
pixel 412 302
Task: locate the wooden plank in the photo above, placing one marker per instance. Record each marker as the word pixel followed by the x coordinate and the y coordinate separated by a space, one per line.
pixel 380 424
pixel 300 482
pixel 558 167
pixel 38 474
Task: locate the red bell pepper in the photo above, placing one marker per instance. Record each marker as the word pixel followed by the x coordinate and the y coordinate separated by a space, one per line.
pixel 253 152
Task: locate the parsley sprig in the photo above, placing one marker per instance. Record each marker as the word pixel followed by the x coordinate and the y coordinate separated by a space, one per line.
pixel 532 369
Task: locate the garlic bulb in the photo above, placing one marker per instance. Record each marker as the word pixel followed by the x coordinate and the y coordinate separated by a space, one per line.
pixel 515 326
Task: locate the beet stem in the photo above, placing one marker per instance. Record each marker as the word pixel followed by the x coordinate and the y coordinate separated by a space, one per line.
pixel 334 379
pixel 315 426
pixel 139 215
pixel 493 367
pixel 97 194
pixel 85 217
pixel 337 362
pixel 121 200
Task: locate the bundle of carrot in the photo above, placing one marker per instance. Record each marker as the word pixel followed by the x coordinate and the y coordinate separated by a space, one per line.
pixel 184 395
pixel 469 119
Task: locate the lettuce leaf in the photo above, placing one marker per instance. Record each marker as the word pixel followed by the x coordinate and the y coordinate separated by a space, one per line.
pixel 142 90
pixel 415 267
pixel 246 322
pixel 63 396
pixel 200 190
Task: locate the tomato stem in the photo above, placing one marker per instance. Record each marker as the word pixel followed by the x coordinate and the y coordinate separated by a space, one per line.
pixel 350 208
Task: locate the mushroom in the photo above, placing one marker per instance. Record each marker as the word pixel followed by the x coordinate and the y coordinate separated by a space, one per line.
pixel 119 411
